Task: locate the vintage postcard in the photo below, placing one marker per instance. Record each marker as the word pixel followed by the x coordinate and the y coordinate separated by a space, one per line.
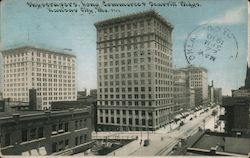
pixel 124 78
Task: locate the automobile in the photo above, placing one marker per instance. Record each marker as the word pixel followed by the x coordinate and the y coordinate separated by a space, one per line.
pixel 191 118
pixel 181 123
pixel 146 142
pixel 175 147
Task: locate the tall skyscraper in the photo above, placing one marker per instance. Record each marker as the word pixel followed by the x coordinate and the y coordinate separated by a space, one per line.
pixel 135 85
pixel 51 73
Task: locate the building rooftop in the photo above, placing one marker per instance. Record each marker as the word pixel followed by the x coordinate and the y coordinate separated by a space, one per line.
pixel 208 141
pixel 150 13
pixel 12 49
pixel 192 67
pixel 7 116
pixel 222 143
pixel 236 101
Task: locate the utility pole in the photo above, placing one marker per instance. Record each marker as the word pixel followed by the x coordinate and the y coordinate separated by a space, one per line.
pixel 141 133
pixel 204 123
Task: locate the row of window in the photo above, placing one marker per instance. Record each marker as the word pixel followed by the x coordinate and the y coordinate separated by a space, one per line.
pixel 135 96
pixel 124 103
pixel 38 62
pixel 149 41
pixel 39 54
pixel 136 103
pixel 135 82
pixel 130 47
pixel 124 121
pixel 31 134
pixel 64 144
pixel 64 126
pixel 127 75
pixel 123 34
pixel 124 112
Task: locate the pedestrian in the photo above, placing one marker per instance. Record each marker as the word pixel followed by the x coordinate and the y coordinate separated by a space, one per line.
pixel 140 142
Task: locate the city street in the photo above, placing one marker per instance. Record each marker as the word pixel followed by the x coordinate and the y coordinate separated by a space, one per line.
pixel 163 140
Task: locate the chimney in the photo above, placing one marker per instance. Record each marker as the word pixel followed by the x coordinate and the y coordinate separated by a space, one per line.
pixel 33 101
pixel 16 117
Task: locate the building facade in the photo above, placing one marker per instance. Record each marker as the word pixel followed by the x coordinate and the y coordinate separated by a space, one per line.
pixel 198 80
pixel 218 96
pixel 237 109
pixel 192 98
pixel 1 74
pixel 45 132
pixel 93 93
pixel 211 96
pixel 134 67
pixel 181 91
pixel 51 73
pixel 88 102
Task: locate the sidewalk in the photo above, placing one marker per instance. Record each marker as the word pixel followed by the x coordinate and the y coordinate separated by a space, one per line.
pixel 160 140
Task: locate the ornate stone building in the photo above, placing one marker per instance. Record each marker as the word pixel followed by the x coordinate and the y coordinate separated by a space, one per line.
pixel 134 72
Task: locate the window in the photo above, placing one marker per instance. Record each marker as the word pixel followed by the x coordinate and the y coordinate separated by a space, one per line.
pixel 54 129
pixel 66 127
pixel 76 141
pixel 124 120
pixel 7 139
pixel 60 127
pixel 60 146
pixel 24 135
pixel 54 147
pixel 81 139
pixel 137 121
pixel 130 121
pixel 66 143
pixel 76 124
pixel 40 132
pixel 33 133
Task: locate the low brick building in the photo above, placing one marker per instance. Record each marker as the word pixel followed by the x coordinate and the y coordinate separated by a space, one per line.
pixel 63 132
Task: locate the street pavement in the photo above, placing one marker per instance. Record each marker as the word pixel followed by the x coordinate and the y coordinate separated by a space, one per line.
pixel 161 141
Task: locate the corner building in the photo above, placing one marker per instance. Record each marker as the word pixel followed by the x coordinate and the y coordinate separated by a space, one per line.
pixel 51 73
pixel 134 69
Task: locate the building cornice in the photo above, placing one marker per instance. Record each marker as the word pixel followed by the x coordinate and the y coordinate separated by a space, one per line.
pixel 27 47
pixel 131 17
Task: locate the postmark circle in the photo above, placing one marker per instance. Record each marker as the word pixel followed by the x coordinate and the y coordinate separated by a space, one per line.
pixel 210 43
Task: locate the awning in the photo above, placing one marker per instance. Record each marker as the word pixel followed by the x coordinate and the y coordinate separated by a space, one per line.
pixel 178 116
pixel 42 151
pixel 26 153
pixel 34 152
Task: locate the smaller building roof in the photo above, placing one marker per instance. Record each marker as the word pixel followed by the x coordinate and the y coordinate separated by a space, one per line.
pixel 14 49
pixel 192 67
pixel 236 101
pixel 10 116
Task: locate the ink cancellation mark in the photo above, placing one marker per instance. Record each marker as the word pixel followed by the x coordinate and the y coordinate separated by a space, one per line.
pixel 208 42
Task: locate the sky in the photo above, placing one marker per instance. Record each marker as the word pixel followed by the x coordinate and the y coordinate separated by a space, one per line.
pixel 22 25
